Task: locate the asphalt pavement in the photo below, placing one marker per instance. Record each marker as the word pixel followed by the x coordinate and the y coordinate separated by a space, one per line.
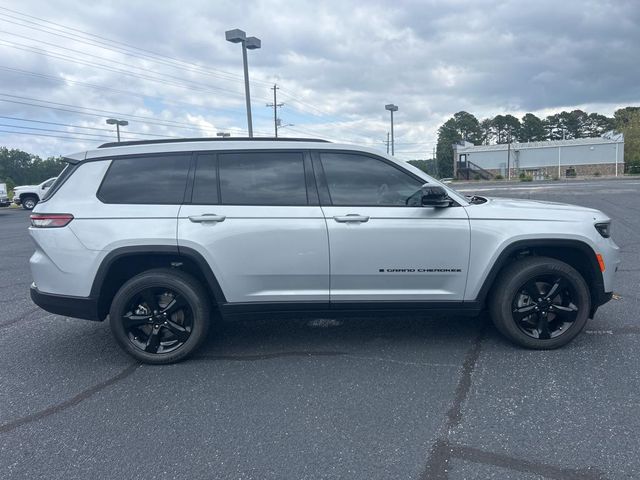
pixel 362 398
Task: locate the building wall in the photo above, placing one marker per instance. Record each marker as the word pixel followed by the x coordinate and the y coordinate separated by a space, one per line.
pixel 548 158
pixel 551 172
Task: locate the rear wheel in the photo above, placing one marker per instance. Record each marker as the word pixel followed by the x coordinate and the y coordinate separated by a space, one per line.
pixel 29 202
pixel 160 316
pixel 540 303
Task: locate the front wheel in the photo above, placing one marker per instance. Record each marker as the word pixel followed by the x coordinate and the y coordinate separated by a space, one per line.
pixel 160 316
pixel 540 303
pixel 29 203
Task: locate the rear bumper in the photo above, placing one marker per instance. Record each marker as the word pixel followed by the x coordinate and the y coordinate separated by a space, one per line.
pixel 77 307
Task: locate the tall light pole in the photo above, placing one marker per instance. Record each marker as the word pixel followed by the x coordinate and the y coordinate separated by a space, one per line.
pixel 392 108
pixel 248 43
pixel 118 124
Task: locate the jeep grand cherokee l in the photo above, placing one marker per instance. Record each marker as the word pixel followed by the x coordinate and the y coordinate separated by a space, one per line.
pixel 159 235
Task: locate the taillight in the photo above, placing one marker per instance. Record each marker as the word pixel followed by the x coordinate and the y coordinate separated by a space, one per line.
pixel 50 220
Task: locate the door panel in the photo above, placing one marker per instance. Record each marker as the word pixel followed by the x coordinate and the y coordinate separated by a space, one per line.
pixel 258 250
pixel 384 247
pixel 400 254
pixel 262 254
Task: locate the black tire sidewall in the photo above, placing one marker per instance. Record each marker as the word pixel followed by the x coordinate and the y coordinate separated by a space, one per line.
pixel 184 285
pixel 518 274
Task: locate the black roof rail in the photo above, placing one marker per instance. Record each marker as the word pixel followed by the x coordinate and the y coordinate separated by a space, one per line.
pixel 211 139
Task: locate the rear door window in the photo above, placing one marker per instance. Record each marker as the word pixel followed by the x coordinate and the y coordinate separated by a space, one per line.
pixel 262 178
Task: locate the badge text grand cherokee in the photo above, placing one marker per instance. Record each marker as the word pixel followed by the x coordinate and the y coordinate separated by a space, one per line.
pixel 159 235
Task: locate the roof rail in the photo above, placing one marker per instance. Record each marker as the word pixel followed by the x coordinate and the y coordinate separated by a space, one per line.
pixel 211 139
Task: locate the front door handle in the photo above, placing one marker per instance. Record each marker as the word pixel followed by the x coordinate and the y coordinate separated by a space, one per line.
pixel 352 217
pixel 207 217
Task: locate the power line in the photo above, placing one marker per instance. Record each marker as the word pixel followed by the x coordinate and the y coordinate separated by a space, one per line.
pixel 101 113
pixel 129 132
pixel 66 137
pixel 114 90
pixel 198 86
pixel 97 135
pixel 112 45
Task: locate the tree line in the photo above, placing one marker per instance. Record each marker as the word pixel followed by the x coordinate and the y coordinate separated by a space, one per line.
pixel 22 168
pixel 464 126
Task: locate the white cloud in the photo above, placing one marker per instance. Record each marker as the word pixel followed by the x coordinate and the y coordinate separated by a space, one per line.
pixel 337 62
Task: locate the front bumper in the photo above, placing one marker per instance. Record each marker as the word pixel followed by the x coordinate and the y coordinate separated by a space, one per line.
pixel 16 200
pixel 77 307
pixel 5 202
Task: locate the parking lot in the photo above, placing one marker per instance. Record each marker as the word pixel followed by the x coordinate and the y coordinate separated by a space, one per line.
pixel 410 398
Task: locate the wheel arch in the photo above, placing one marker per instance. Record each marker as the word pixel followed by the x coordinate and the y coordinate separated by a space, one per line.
pixel 29 194
pixel 576 253
pixel 125 262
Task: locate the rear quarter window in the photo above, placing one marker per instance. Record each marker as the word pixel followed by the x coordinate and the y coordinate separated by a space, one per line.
pixel 152 179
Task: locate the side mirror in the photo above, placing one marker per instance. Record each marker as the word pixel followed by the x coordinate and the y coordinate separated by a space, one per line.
pixel 435 196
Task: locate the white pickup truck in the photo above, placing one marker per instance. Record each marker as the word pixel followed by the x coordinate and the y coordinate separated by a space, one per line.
pixel 29 195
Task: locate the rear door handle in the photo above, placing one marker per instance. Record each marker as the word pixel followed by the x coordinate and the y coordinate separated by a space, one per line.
pixel 352 217
pixel 207 217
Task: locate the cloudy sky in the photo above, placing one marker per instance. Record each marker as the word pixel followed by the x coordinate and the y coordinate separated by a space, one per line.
pixel 166 68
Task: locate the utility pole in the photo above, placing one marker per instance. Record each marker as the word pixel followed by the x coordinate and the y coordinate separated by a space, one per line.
pixel 435 159
pixel 509 157
pixel 275 106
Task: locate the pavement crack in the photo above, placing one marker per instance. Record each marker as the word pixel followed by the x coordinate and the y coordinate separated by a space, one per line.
pixel 476 455
pixel 21 317
pixel 75 400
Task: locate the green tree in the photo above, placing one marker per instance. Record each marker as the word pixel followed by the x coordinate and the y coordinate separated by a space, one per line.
pixel 505 128
pixel 532 129
pixel 485 131
pixel 448 135
pixel 627 121
pixel 468 127
pixel 23 168
pixel 597 125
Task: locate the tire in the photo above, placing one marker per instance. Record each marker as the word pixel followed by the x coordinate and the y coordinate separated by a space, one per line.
pixel 551 320
pixel 175 331
pixel 29 202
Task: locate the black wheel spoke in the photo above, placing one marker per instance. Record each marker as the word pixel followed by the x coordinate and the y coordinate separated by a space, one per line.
pixel 531 289
pixel 543 327
pixel 520 314
pixel 175 305
pixel 151 300
pixel 555 289
pixel 177 331
pixel 153 342
pixel 566 314
pixel 133 320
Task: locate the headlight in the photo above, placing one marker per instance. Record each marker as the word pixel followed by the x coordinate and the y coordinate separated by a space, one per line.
pixel 604 229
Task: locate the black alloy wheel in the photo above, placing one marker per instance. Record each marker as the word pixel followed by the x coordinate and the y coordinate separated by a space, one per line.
pixel 540 302
pixel 160 316
pixel 158 320
pixel 544 307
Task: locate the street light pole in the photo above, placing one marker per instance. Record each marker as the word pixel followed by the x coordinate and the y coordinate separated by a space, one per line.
pixel 392 108
pixel 248 43
pixel 118 124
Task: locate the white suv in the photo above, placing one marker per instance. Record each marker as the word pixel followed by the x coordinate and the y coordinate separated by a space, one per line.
pixel 159 235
